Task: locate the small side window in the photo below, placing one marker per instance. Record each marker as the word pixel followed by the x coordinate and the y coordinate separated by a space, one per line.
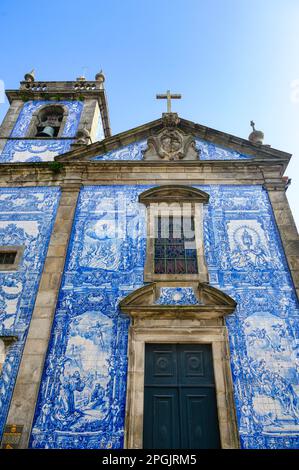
pixel 7 257
pixel 5 342
pixel 10 257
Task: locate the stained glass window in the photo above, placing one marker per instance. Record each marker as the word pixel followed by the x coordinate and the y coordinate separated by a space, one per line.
pixel 175 249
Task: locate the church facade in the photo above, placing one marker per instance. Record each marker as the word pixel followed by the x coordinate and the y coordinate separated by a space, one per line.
pixel 149 281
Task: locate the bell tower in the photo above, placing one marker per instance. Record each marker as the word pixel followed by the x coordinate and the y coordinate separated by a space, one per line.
pixel 46 119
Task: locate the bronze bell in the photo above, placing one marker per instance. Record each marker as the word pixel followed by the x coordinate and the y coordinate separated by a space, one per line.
pixel 47 131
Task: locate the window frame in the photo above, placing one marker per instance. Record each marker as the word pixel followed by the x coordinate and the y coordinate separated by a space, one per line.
pixel 176 199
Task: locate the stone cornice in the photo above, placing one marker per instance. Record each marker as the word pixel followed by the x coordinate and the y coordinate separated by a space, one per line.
pixel 48 95
pixel 66 93
pixel 140 172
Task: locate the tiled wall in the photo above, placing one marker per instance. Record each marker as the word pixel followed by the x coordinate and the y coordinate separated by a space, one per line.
pixel 207 151
pixel 26 219
pixel 82 397
pixel 34 150
pixel 246 260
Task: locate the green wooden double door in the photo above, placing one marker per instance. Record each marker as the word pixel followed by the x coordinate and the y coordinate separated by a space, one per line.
pixel 180 410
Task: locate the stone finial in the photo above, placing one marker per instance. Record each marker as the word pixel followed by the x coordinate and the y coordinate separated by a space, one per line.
pixel 256 137
pixel 100 77
pixel 29 77
pixel 81 79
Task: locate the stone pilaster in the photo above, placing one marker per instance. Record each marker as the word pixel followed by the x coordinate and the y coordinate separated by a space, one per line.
pixel 89 118
pixel 26 389
pixel 288 231
pixel 9 121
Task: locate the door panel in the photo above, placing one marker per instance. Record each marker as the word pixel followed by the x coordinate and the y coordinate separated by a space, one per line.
pixel 160 364
pixel 195 364
pixel 199 418
pixel 180 409
pixel 161 419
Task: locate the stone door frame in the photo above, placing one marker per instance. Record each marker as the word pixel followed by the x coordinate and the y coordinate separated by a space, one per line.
pixel 200 324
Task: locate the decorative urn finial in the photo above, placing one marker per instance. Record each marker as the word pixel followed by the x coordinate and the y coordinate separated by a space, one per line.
pixel 100 77
pixel 256 137
pixel 81 78
pixel 29 77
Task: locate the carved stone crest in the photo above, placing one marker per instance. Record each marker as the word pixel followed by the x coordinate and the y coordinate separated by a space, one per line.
pixel 171 143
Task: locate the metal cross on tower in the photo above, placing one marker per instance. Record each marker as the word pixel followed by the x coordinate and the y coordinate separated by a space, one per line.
pixel 168 96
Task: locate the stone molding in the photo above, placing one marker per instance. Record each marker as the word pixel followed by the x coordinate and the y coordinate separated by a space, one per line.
pixel 173 193
pixel 213 303
pixel 151 172
pixel 287 229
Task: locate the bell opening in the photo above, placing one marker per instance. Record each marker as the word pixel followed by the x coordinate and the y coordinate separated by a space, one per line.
pixel 47 131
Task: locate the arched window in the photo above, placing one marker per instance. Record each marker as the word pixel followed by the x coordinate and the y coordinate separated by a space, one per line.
pixel 48 122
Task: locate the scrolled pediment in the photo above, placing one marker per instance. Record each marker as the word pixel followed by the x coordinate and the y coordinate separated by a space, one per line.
pixel 211 302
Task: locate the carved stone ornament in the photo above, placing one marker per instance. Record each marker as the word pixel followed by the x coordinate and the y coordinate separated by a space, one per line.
pixel 170 143
pixel 83 137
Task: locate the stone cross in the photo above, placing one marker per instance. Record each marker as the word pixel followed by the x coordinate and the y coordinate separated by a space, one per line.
pixel 168 96
pixel 252 125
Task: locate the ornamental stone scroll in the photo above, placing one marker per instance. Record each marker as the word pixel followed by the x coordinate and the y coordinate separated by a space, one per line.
pixel 170 143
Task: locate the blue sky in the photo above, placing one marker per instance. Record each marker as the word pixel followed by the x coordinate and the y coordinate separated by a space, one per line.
pixel 232 60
